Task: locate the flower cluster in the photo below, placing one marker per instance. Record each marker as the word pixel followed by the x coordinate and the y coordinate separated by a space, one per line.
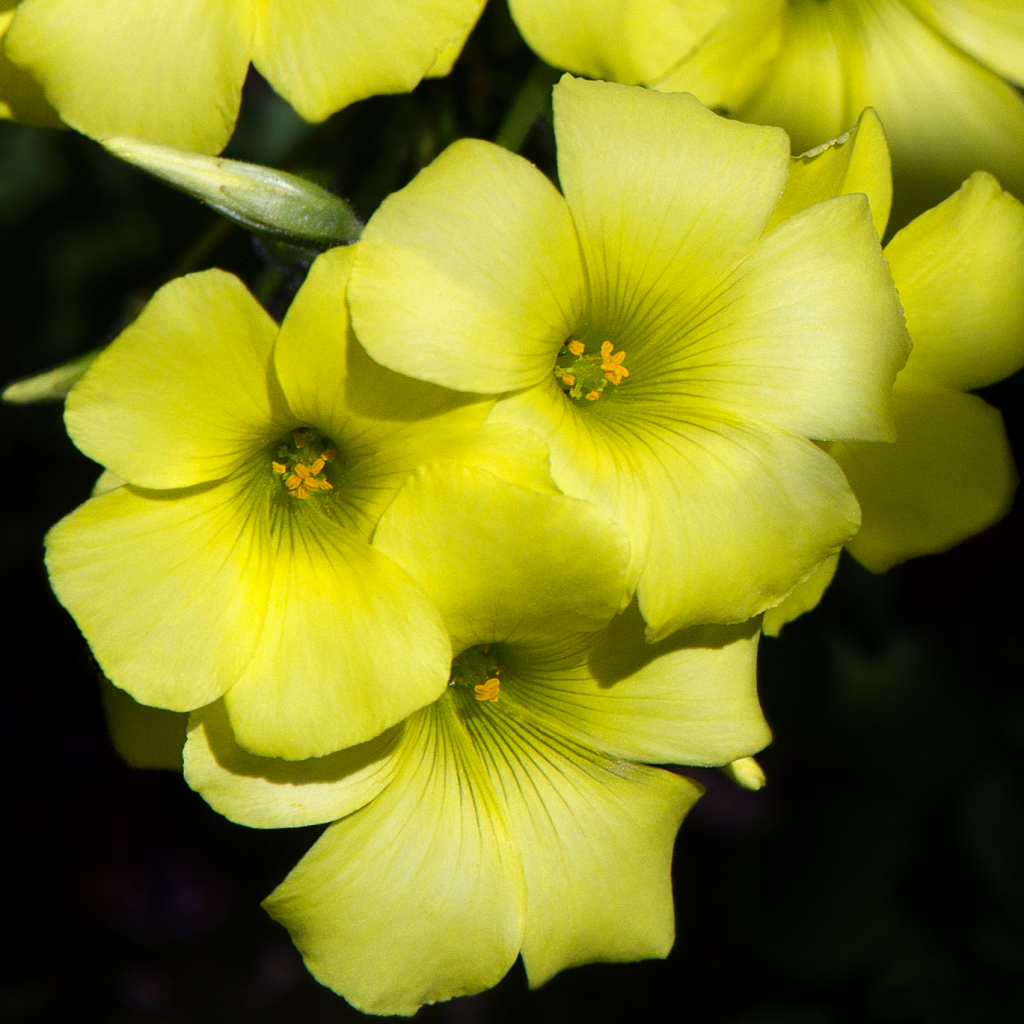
pixel 934 69
pixel 484 534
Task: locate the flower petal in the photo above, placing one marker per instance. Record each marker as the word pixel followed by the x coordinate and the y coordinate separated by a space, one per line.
pixel 807 335
pixel 265 792
pixel 168 73
pixel 325 54
pixel 182 396
pixel 950 475
pixel 419 895
pixel 595 836
pixel 470 276
pixel 143 737
pixel 741 515
pixel 587 461
pixel 504 562
pixel 802 598
pixel 280 604
pixel 690 699
pixel 945 115
pixel 143 571
pixel 349 645
pixel 731 61
pixel 959 269
pixel 858 161
pixel 990 30
pixel 804 90
pixel 327 377
pixel 635 41
pixel 668 209
pixel 724 517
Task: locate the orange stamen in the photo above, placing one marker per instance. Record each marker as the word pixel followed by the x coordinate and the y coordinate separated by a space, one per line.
pixel 488 691
pixel 611 364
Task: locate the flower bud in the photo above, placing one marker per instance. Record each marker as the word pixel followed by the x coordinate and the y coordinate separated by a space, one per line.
pixel 258 198
pixel 746 773
pixel 51 386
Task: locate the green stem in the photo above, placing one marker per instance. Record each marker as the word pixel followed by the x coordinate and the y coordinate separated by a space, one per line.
pixel 533 98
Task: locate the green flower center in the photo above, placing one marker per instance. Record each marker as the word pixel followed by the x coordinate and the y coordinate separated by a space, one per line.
pixel 584 375
pixel 300 462
pixel 476 667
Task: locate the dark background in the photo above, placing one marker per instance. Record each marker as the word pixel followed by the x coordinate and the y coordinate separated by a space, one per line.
pixel 878 877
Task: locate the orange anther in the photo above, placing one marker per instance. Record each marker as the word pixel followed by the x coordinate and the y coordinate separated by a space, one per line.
pixel 488 691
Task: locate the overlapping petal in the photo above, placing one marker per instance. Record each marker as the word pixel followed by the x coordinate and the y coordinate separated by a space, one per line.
pixel 470 276
pixel 594 836
pixel 633 42
pixel 243 577
pixel 348 645
pixel 857 161
pixel 732 60
pixel 990 30
pixel 184 396
pixel 959 269
pixel 690 699
pixel 802 598
pixel 265 792
pixel 740 516
pixel 945 115
pixel 567 573
pixel 950 475
pixel 806 335
pixel 169 73
pixel 654 229
pixel 322 55
pixel 418 896
pixel 387 424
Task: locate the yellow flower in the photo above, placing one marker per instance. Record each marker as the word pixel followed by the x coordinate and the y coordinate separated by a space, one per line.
pixel 959 270
pixel 934 70
pixel 229 552
pixel 516 818
pixel 740 345
pixel 172 73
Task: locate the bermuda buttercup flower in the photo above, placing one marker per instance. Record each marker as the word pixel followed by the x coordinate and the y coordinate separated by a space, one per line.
pixel 959 270
pixel 935 70
pixel 173 73
pixel 674 357
pixel 518 814
pixel 235 559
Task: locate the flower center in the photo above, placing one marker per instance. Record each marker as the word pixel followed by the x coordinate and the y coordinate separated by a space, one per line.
pixel 301 461
pixel 583 376
pixel 475 667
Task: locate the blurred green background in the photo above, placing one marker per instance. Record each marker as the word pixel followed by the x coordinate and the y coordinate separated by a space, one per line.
pixel 878 877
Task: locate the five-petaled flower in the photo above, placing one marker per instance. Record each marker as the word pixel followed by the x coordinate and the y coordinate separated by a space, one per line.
pixel 742 345
pixel 235 560
pixel 481 829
